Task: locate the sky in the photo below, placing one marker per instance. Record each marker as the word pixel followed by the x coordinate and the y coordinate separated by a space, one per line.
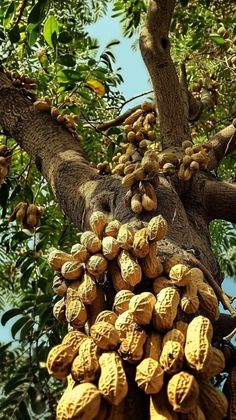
pixel 136 81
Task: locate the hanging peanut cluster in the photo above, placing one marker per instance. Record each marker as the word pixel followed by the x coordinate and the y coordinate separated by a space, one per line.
pixel 159 331
pixel 140 162
pixel 27 214
pixel 21 81
pixel 5 162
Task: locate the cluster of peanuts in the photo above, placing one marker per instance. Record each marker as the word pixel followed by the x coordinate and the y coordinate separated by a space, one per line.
pixel 27 214
pixel 69 121
pixel 159 331
pixel 140 162
pixel 21 81
pixel 5 162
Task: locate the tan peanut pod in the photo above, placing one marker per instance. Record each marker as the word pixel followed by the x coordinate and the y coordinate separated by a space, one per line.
pixel 149 376
pixel 105 335
pixel 98 221
pixel 97 306
pixel 72 270
pixel 76 313
pixel 133 117
pixel 150 162
pixel 149 198
pixel 174 335
pixel 125 236
pixel 208 301
pixel 216 365
pixel 41 105
pixel 230 392
pixel 59 310
pixel 74 339
pixel 157 228
pixel 87 290
pixel 110 247
pixel 151 135
pixel 141 307
pixel 112 228
pixel 160 283
pixel 136 203
pixel 165 309
pixel 196 275
pixel 59 361
pixel 107 316
pixel 82 402
pixel 138 124
pixel 129 167
pixel 181 171
pixel 194 166
pixel 96 265
pixel 189 301
pixel 171 262
pixel 121 301
pixel 153 346
pixel 130 269
pixel 79 253
pixel 139 173
pixel 195 414
pixel 112 381
pixel 131 348
pixel 182 392
pixel 59 286
pixel 124 158
pixel 57 258
pixel 91 242
pixel 128 180
pixel 160 408
pixel 180 275
pixel 118 282
pixel 85 366
pixel 198 349
pixel 141 243
pixel 124 323
pixel 21 212
pixel 187 174
pixel 151 264
pixel 131 136
pixel 118 169
pixel 172 357
pixel 212 401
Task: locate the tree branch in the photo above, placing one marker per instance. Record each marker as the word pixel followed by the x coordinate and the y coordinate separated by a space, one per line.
pixel 155 49
pixel 219 199
pixel 117 120
pixel 223 143
pixel 57 154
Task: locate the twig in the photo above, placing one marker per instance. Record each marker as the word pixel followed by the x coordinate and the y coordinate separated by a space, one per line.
pixel 222 296
pixel 23 6
pixel 135 97
pixel 230 335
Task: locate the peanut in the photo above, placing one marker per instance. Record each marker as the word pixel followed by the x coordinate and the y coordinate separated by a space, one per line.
pixel 198 349
pixel 182 392
pixel 112 382
pixel 165 309
pixel 105 335
pixel 121 301
pixel 141 307
pixel 149 376
pixel 157 228
pixel 85 366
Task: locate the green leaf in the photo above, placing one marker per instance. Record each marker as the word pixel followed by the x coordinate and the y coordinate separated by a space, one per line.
pixel 18 325
pixel 217 39
pixel 72 76
pixel 23 413
pixel 33 33
pixel 26 276
pixel 184 2
pixel 65 37
pixel 14 382
pixel 38 12
pixel 50 31
pixel 9 314
pixel 14 34
pixel 37 404
pixel 25 330
pixel 67 60
pixel 4 193
pixel 9 14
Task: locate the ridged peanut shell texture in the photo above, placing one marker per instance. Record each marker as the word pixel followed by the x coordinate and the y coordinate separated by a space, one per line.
pixel 180 275
pixel 149 376
pixel 121 301
pixel 160 408
pixel 130 269
pixel 112 381
pixel 82 402
pixel 59 360
pixel 85 366
pixel 165 309
pixel 157 228
pixel 212 401
pixel 198 349
pixel 182 391
pixel 141 306
pixel 98 221
pixel 105 335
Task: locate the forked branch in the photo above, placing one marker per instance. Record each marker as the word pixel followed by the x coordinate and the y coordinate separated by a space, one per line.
pixel 223 143
pixel 155 49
